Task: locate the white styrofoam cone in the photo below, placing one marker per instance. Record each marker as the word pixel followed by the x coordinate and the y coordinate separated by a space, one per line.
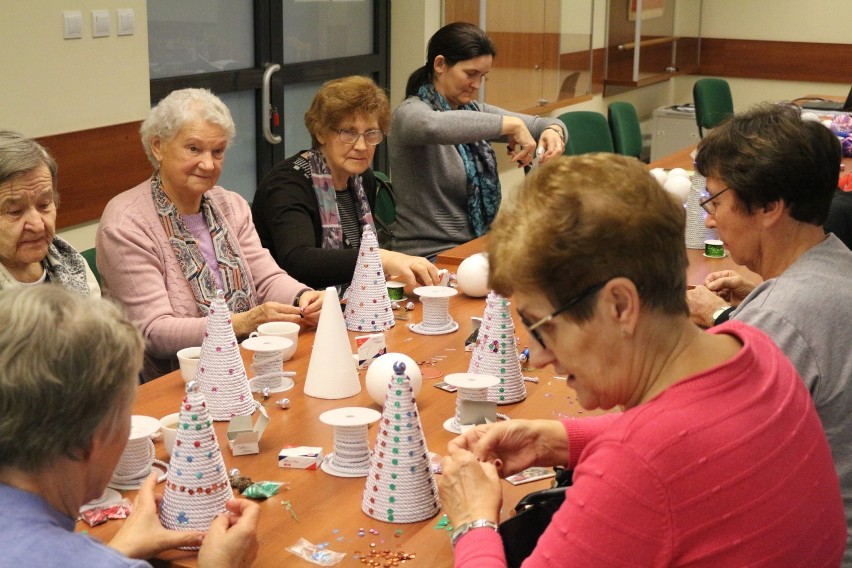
pixel 221 373
pixel 197 486
pixel 496 352
pixel 400 486
pixel 696 232
pixel 368 306
pixel 332 372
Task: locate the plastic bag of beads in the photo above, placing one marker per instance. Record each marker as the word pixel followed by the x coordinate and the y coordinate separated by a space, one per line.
pixel 316 554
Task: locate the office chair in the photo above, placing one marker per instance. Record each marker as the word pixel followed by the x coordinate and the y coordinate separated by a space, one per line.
pixel 713 103
pixel 587 132
pixel 89 255
pixel 624 126
pixel 385 211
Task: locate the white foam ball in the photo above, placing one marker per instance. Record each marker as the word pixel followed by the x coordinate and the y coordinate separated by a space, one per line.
pixel 679 187
pixel 812 116
pixel 660 175
pixel 678 172
pixel 472 275
pixel 380 372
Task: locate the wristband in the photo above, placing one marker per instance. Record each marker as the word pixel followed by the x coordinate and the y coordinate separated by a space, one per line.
pixel 299 296
pixel 722 314
pixel 464 528
pixel 558 130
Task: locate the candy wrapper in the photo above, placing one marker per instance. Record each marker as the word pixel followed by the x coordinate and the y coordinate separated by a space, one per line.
pixel 263 489
pixel 99 515
pixel 240 482
pixel 316 554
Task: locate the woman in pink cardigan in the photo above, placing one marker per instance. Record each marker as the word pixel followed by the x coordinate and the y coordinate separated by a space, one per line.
pixel 718 458
pixel 167 245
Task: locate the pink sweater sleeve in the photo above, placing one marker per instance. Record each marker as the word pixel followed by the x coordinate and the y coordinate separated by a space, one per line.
pixel 270 281
pixel 141 271
pixel 582 431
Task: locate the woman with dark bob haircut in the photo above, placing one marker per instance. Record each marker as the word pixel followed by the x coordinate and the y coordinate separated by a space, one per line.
pixel 444 169
pixel 718 458
pixel 311 208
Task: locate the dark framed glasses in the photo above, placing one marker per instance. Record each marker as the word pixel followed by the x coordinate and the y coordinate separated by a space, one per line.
pixel 532 328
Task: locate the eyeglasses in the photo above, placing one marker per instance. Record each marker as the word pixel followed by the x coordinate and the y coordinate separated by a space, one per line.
pixel 371 137
pixel 532 328
pixel 708 205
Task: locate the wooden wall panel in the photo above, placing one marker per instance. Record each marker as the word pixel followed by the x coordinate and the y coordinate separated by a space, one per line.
pixel 778 60
pixel 94 166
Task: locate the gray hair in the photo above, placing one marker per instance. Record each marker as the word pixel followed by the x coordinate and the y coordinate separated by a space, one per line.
pixel 180 108
pixel 21 155
pixel 69 366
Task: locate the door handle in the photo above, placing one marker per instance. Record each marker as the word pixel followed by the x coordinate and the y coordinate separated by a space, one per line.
pixel 266 110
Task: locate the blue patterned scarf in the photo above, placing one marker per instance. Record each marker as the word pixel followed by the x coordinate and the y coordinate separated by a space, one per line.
pixel 480 166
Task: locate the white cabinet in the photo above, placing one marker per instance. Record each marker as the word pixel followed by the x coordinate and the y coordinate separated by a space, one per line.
pixel 674 129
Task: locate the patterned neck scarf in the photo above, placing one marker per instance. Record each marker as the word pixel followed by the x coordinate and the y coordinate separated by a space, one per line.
pixel 236 278
pixel 332 233
pixel 480 166
pixel 64 266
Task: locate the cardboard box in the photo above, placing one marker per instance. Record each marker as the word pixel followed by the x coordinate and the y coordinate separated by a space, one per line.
pixel 300 457
pixel 243 436
pixel 370 347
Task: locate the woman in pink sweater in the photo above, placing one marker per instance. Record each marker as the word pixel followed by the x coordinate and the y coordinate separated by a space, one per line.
pixel 167 245
pixel 719 458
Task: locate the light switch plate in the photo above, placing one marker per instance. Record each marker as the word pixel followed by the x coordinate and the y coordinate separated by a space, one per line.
pixel 101 23
pixel 126 18
pixel 72 24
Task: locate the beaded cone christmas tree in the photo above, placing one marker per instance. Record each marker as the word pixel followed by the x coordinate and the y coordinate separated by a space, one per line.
pixel 496 352
pixel 221 373
pixel 197 486
pixel 400 486
pixel 368 307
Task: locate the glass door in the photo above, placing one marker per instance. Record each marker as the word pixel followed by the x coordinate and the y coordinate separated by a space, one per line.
pixel 278 51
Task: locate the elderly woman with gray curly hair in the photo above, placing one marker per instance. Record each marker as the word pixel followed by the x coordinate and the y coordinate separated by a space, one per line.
pixel 169 244
pixel 30 251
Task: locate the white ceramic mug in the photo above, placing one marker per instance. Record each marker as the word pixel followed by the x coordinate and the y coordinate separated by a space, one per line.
pixel 188 359
pixel 168 427
pixel 286 329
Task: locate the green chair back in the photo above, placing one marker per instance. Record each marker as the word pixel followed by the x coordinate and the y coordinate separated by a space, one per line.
pixel 385 211
pixel 587 132
pixel 625 130
pixel 713 102
pixel 90 256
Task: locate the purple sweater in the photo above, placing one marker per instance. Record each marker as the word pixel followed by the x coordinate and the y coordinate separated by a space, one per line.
pixel 140 270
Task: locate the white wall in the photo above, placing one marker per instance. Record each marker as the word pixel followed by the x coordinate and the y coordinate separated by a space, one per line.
pixel 52 85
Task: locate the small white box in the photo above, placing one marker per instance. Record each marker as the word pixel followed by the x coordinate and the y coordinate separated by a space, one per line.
pixel 243 437
pixel 300 457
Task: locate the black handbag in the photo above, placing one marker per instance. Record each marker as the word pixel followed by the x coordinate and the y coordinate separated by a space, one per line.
pixel 530 517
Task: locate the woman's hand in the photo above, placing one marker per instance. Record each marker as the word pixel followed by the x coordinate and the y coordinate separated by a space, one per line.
pixel 551 142
pixel 311 304
pixel 411 270
pixel 702 304
pixel 514 445
pixel 522 145
pixel 729 285
pixel 469 490
pixel 246 322
pixel 142 536
pixel 231 541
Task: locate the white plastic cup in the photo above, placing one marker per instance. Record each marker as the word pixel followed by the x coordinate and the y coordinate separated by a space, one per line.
pixel 286 329
pixel 188 359
pixel 168 427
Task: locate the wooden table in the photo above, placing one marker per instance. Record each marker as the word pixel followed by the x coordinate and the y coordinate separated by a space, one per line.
pixel 329 508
